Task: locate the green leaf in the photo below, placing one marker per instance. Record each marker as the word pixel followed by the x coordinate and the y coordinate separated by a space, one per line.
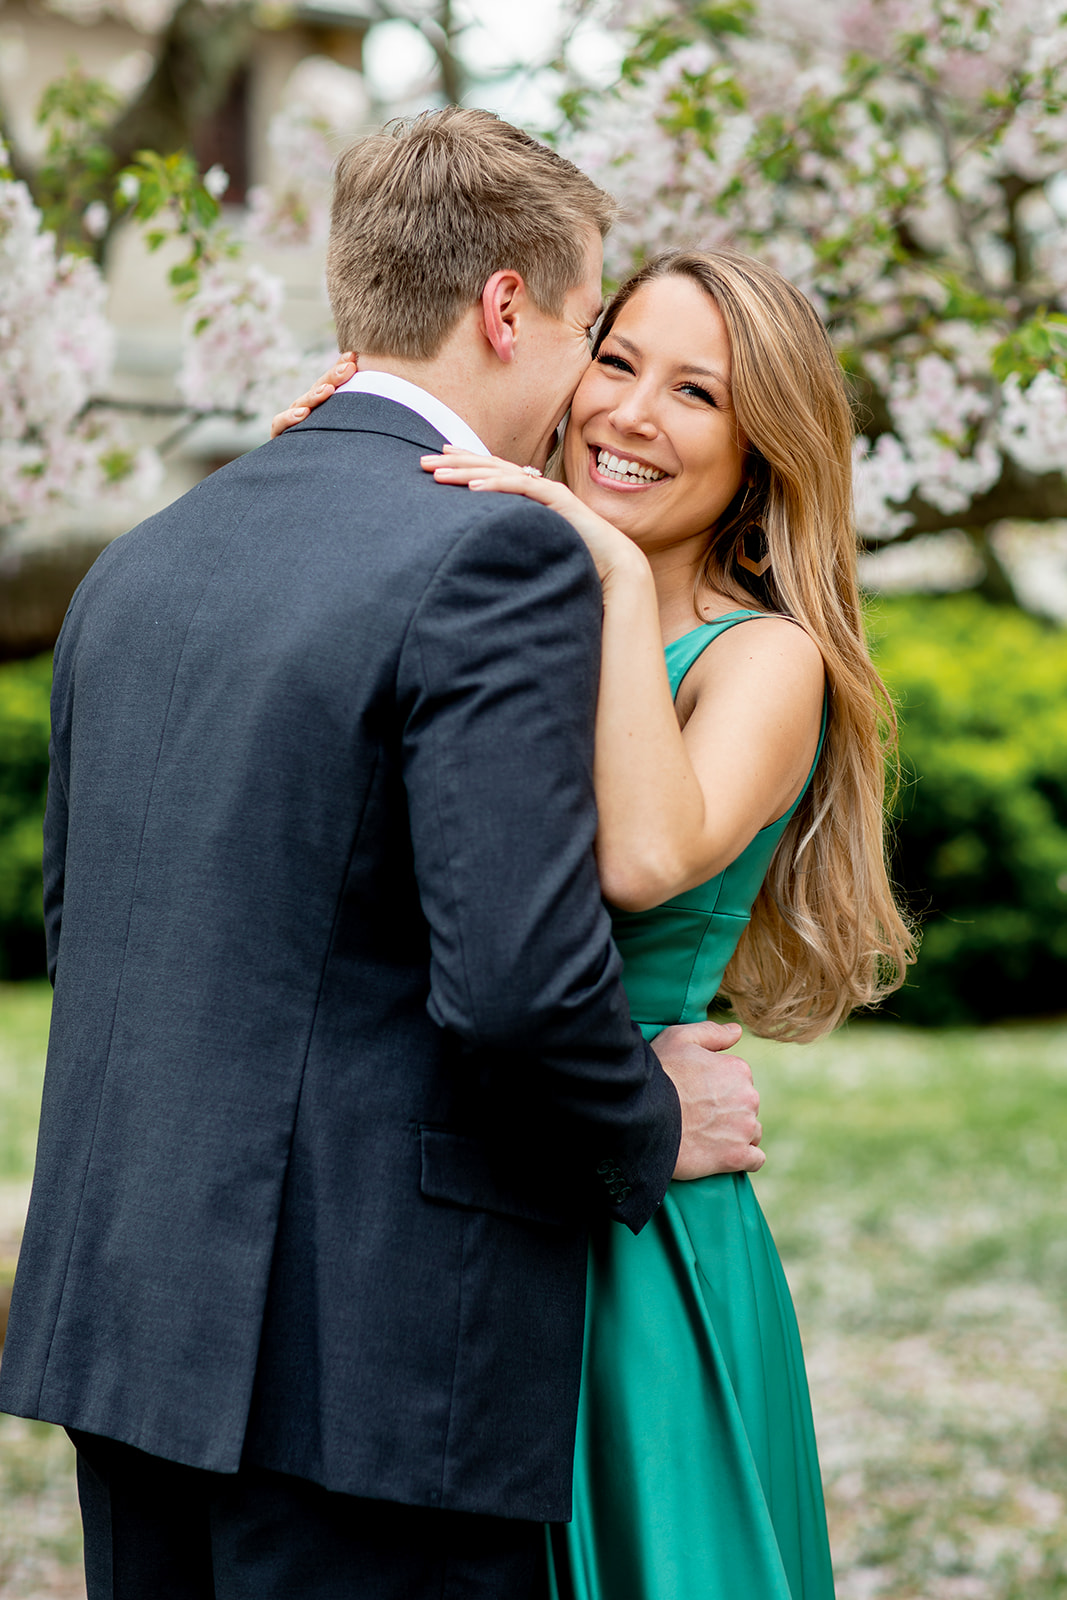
pixel 117 464
pixel 1039 345
pixel 964 304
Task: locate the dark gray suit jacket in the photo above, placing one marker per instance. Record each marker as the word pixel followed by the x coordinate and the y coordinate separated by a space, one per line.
pixel 340 1064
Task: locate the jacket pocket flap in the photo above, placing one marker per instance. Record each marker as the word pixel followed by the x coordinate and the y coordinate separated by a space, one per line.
pixel 461 1172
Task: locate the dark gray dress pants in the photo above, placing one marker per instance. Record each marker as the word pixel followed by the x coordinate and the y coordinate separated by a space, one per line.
pixel 155 1530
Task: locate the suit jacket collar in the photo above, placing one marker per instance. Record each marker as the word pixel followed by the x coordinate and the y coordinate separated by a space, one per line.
pixel 369 413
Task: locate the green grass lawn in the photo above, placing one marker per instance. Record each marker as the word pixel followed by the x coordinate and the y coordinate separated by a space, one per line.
pixel 40 1534
pixel 915 1185
pixel 24 1009
pixel 914 1182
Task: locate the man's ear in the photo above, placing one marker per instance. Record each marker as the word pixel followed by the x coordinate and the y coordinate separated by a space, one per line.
pixel 502 297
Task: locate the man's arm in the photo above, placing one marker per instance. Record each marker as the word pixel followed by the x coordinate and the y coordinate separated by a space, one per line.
pixel 498 680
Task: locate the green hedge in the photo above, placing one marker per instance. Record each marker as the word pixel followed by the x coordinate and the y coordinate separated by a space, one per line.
pixel 24 691
pixel 982 840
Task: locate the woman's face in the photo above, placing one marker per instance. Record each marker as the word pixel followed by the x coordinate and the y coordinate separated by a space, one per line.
pixel 653 443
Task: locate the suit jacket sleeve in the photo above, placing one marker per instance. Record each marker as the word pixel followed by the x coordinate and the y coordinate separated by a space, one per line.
pixel 498 680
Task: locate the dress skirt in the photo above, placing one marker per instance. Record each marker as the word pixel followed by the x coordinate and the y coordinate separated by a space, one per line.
pixel 696 1473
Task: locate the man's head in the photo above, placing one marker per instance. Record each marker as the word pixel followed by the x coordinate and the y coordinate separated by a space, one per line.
pixel 424 213
pixel 467 257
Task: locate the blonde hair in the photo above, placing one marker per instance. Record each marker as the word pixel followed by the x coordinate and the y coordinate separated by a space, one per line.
pixel 826 934
pixel 424 212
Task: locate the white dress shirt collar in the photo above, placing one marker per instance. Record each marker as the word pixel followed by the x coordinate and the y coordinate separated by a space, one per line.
pixel 427 406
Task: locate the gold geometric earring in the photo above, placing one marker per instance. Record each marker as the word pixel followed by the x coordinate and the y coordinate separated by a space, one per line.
pixel 757 565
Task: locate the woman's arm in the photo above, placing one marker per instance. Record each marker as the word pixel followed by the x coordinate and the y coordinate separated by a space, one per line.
pixel 751 709
pixel 677 803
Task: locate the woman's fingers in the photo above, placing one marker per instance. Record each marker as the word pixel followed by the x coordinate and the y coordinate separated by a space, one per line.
pixel 297 413
pixel 610 549
pixel 486 472
pixel 340 372
pixel 453 456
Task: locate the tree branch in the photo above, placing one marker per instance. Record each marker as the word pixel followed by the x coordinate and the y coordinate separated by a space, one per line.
pixel 1014 189
pixel 20 168
pixel 1017 496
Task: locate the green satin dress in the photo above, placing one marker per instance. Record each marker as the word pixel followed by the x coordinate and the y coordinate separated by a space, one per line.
pixel 696 1474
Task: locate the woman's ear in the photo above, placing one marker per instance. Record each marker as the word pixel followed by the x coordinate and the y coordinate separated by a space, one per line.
pixel 501 299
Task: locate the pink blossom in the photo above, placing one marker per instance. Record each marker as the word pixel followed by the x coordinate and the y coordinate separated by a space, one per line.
pixel 56 352
pixel 237 353
pixel 1033 423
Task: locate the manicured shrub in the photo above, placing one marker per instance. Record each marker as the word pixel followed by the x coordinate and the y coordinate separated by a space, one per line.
pixel 24 692
pixel 982 844
pixel 981 848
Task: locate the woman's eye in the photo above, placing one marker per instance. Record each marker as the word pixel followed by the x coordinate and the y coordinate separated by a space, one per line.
pixel 606 360
pixel 698 393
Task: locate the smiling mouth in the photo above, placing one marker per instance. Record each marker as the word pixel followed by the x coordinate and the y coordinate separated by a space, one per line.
pixel 620 469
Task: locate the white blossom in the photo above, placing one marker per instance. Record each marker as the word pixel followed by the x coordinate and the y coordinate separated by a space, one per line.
pixel 56 353
pixel 1033 423
pixel 882 479
pixel 935 414
pixel 325 107
pixel 216 181
pixel 237 353
pixel 95 219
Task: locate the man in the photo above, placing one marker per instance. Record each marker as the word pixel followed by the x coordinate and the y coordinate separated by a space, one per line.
pixel 340 1065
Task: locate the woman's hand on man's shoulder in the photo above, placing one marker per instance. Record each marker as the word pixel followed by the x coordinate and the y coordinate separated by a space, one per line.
pixel 343 369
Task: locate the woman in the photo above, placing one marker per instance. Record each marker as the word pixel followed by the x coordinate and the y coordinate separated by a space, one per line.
pixel 740 790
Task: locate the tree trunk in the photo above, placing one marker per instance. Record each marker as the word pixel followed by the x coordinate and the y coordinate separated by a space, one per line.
pixel 202 51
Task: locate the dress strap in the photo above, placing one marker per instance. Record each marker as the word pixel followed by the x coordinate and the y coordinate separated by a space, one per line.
pixel 682 653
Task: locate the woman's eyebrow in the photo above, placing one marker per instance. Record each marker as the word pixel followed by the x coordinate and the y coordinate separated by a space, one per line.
pixel 701 372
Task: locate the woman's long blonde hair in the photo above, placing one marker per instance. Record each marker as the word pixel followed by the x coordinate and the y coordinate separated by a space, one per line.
pixel 826 934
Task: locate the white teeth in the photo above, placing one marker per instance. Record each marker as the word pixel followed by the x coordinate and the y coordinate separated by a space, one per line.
pixel 614 467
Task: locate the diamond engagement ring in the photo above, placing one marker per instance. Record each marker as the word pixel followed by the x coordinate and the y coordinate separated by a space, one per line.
pixel 531 472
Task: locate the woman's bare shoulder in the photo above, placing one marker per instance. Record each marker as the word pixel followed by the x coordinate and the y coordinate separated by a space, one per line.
pixel 771 655
pixel 771 633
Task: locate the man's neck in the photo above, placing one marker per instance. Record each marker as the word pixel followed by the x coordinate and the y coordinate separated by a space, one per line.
pixel 390 386
pixel 445 385
pixel 461 375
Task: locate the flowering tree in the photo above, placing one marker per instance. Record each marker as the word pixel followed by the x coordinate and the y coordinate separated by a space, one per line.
pixel 63 442
pixel 903 161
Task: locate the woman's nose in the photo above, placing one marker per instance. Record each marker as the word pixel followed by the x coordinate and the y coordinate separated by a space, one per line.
pixel 633 415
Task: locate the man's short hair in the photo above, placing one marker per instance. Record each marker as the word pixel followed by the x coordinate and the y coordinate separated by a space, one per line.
pixel 425 211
